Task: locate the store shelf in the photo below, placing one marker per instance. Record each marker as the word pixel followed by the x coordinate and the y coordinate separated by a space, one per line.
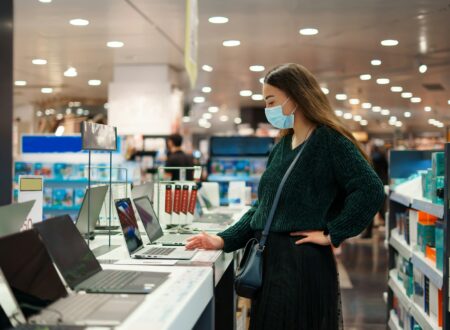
pixel 79 181
pixel 399 243
pixel 427 268
pixel 228 178
pixel 399 290
pixel 394 323
pixel 61 208
pixel 401 199
pixel 423 319
pixel 428 207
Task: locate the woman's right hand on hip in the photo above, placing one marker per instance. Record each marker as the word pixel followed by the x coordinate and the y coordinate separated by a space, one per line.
pixel 205 241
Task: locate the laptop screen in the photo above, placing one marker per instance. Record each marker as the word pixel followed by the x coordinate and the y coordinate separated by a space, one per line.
pixel 68 249
pixel 129 224
pixel 97 198
pixel 30 272
pixel 148 217
pixel 13 216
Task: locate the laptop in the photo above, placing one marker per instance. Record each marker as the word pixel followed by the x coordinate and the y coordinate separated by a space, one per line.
pixel 153 228
pixel 40 295
pixel 79 267
pixel 133 238
pixel 93 207
pixel 13 217
pixel 145 189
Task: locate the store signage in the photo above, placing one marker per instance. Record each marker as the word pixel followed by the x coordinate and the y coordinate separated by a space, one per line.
pixel 98 137
pixel 191 40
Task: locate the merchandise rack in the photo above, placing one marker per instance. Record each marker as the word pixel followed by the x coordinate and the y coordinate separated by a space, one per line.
pixel 403 164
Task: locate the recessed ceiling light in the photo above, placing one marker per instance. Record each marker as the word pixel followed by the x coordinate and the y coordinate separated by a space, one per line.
pixel 393 118
pixel 364 122
pixel 224 118
pixel 325 90
pixel 407 114
pixel 423 68
pixel 231 43
pixel 338 113
pixel 186 119
pixel 206 89
pixel 199 99
pixel 115 44
pixel 207 115
pixel 79 22
pixel 396 89
pixel 308 31
pixel 20 83
pixel 46 90
pixel 348 115
pixel 376 109
pixel 257 97
pixel 427 109
pixel 357 118
pixel 366 105
pixel 261 80
pixel 406 95
pixel 341 97
pixel 375 62
pixel 416 100
pixel 59 116
pixel 207 68
pixel 245 92
pixel 431 121
pixel 382 81
pixel 385 112
pixel 45 1
pixel 70 72
pixel 237 120
pixel 365 77
pixel 389 42
pixel 257 68
pixel 448 102
pixel 39 61
pixel 218 20
pixel 353 101
pixel 398 124
pixel 94 82
pixel 213 109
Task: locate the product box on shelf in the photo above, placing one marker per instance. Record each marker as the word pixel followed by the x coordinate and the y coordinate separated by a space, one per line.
pixel 62 197
pixel 46 170
pixel 426 304
pixel 408 278
pixel 48 197
pixel 426 230
pixel 413 220
pixel 23 168
pixel 430 254
pixel 435 304
pixel 62 170
pixel 78 195
pixel 439 242
pixel 419 288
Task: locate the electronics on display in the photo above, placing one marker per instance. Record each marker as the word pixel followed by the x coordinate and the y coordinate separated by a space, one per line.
pixel 92 204
pixel 13 216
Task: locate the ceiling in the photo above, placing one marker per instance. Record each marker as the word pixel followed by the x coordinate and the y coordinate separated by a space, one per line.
pixel 349 37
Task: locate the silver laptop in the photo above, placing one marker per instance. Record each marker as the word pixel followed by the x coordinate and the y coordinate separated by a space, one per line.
pixel 92 208
pixel 153 228
pixel 13 216
pixel 40 295
pixel 133 238
pixel 145 189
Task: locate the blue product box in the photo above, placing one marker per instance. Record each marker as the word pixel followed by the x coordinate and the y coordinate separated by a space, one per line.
pixel 62 170
pixel 23 168
pixel 439 243
pixel 78 195
pixel 63 197
pixel 48 198
pixel 46 170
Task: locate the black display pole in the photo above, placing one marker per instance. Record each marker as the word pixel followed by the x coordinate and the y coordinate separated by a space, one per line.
pixel 6 99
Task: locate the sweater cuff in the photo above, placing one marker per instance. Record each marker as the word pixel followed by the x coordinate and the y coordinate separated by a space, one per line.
pixel 229 243
pixel 335 239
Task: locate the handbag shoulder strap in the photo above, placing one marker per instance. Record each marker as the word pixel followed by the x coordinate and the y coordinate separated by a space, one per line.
pixel 265 232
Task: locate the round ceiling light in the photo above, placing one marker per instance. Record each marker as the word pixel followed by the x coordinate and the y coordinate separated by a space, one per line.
pixel 218 20
pixel 308 31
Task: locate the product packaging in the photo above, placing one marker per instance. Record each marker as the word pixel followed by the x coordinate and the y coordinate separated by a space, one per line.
pixel 439 243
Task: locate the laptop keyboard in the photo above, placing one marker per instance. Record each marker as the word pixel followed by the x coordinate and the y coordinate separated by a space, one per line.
pixel 174 239
pixel 110 279
pixel 158 251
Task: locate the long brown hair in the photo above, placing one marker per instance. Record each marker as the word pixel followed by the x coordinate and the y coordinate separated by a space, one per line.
pixel 301 87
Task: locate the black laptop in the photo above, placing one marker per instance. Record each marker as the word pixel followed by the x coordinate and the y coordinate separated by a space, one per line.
pixel 80 268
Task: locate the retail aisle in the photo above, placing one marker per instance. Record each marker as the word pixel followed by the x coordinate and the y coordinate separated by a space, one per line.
pixel 365 261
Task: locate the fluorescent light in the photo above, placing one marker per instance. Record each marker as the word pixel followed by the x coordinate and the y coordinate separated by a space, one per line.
pixel 427 109
pixel 375 62
pixel 382 81
pixel 338 113
pixel 448 102
pixel 237 120
pixel 406 95
pixel 79 22
pixel 70 72
pixel 80 111
pixel 366 105
pixel 207 115
pixel 199 99
pixel 224 118
pixel 115 44
pixel 348 115
pixel 376 109
pixel 59 116
pixel 206 89
pixel 389 42
pixel 213 109
pixel 396 89
pixel 325 90
pixel 218 20
pixel 207 68
pixel 39 113
pixel 341 97
pixel 363 122
pixel 257 68
pixel 231 43
pixel 245 92
pixel 20 83
pixel 393 118
pixel 365 77
pixel 308 31
pixel 357 118
pixel 385 112
pixel 257 97
pixel 416 100
pixel 423 68
pixel 407 114
pixel 353 101
pixel 261 80
pixel 399 124
pixel 39 61
pixel 59 131
pixel 186 119
pixel 94 82
pixel 431 121
pixel 45 1
pixel 46 90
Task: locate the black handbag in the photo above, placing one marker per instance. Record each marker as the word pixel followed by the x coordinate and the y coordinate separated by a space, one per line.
pixel 249 278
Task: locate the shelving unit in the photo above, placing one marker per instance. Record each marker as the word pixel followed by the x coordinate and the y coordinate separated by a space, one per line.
pixel 402 165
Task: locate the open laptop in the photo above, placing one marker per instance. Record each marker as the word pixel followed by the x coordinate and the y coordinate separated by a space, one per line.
pixel 41 296
pixel 92 208
pixel 133 238
pixel 13 216
pixel 145 189
pixel 153 228
pixel 79 267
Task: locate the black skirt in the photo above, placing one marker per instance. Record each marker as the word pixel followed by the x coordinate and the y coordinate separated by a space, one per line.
pixel 300 287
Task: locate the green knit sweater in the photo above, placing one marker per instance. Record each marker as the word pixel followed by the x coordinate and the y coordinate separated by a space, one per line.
pixel 332 188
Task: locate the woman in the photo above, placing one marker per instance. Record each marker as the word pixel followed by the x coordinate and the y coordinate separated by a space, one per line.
pixel 331 195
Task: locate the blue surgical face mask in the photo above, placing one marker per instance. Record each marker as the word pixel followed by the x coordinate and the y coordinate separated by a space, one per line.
pixel 278 119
